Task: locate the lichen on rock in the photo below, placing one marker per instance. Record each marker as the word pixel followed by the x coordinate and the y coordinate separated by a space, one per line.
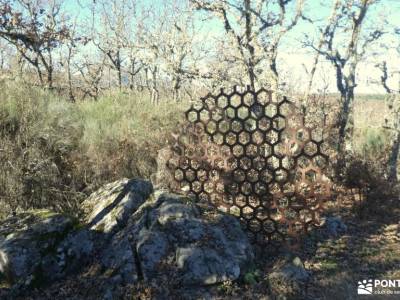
pixel 132 234
pixel 110 207
pixel 27 240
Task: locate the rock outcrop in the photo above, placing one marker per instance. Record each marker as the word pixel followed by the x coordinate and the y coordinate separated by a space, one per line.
pixel 132 234
pixel 174 239
pixel 108 209
pixel 38 246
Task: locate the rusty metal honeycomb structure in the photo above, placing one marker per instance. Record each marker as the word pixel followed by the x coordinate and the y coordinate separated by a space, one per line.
pixel 250 153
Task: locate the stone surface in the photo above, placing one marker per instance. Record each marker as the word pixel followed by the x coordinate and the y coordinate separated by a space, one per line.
pixel 334 226
pixel 108 209
pixel 163 177
pixel 36 246
pixel 173 238
pixel 128 234
pixel 288 279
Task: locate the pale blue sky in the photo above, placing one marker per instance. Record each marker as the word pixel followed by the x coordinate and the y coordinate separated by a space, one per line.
pixel 293 56
pixel 313 8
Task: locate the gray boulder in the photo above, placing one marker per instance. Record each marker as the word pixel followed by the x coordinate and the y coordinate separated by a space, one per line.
pixel 334 226
pixel 38 245
pixel 171 238
pixel 108 209
pixel 163 178
pixel 288 279
pixel 130 235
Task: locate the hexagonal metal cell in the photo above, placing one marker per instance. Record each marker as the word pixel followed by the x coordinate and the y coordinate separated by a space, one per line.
pixel 251 154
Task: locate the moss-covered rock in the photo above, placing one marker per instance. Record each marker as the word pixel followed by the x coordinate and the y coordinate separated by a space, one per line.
pixel 131 234
pixel 39 246
pixel 26 238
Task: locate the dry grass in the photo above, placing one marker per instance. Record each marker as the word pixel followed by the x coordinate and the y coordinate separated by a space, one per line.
pixel 53 153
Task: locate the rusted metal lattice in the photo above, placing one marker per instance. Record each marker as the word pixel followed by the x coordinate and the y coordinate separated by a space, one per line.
pixel 250 154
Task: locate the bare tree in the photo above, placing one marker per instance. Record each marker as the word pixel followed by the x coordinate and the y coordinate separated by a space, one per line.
pixel 152 52
pixel 91 74
pixel 135 64
pixel 35 28
pixel 383 67
pixel 344 43
pixel 151 71
pixel 333 18
pixel 110 34
pixel 179 48
pixel 132 41
pixel 72 43
pixel 256 28
pixel 392 122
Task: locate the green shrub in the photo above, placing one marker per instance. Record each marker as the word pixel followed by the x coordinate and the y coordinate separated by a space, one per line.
pixel 53 152
pixel 371 142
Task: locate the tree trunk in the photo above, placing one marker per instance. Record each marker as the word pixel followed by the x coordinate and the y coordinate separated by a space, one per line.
pixel 50 78
pixel 394 158
pixel 132 85
pixel 70 90
pixel 118 65
pixel 49 68
pixel 177 86
pixel 252 76
pixel 119 78
pixel 132 74
pixel 274 76
pixel 250 48
pixel 40 75
pixel 346 122
pixel 2 63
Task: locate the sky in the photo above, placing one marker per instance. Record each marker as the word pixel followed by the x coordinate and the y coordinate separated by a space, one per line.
pixel 293 57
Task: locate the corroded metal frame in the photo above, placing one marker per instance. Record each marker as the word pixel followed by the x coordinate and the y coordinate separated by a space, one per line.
pixel 251 154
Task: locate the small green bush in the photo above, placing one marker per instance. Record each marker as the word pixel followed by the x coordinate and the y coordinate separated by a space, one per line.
pixel 371 142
